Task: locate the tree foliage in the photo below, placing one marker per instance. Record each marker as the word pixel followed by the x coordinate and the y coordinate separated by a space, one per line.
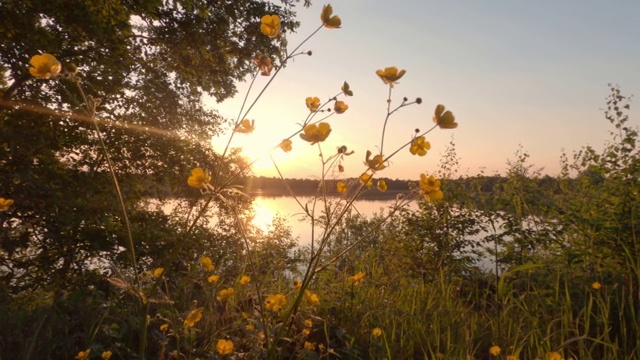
pixel 146 68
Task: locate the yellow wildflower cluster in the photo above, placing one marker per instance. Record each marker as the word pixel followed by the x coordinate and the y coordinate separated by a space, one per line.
pixel 158 272
pixel 83 355
pixel 390 75
pixel 206 263
pixel 224 347
pixel 357 278
pixel 444 119
pixel 419 146
pixel 226 294
pixel 329 20
pixel 316 133
pixel 376 332
pixel 5 204
pixel 366 179
pixel 285 145
pixel 311 298
pixel 313 103
pixel 199 178
pixel 554 356
pixel 275 302
pixel 342 187
pixel 270 25
pixel 340 107
pixel 44 66
pixel 382 185
pixel 246 126
pixel 263 62
pixel 376 163
pixel 495 350
pixel 193 317
pixel 430 187
pixel 244 280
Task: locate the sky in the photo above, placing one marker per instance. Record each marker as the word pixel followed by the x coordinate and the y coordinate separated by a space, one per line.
pixel 533 74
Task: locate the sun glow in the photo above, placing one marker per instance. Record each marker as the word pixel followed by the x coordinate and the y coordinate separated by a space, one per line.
pixel 264 215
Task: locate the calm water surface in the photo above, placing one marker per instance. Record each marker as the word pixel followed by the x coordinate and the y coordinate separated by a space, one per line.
pixel 267 208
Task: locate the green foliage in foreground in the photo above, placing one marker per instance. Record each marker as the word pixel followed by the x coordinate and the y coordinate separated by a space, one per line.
pixel 567 283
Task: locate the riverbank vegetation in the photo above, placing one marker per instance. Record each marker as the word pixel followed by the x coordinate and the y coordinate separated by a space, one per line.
pixel 93 267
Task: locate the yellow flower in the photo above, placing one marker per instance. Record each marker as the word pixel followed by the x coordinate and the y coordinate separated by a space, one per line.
pixel 213 278
pixel 250 327
pixel 83 355
pixel 158 272
pixel 309 346
pixel 198 178
pixel 340 107
pixel 246 126
pixel 377 163
pixel 275 302
pixel 270 25
pixel 308 323
pixel 419 146
pixel 297 284
pixel 382 185
pixel 346 89
pixel 224 347
pixel 313 103
pixel 244 280
pixel 330 22
pixel 376 332
pixel 225 294
pixel 554 356
pixel 311 298
pixel 512 357
pixel 366 179
pixel 164 327
pixel 390 75
pixel 596 285
pixel 342 187
pixel 106 355
pixel 444 119
pixel 494 350
pixel 194 316
pixel 430 187
pixel 306 332
pixel 5 204
pixel 44 66
pixel 357 278
pixel 206 263
pixel 316 133
pixel 263 62
pixel 285 145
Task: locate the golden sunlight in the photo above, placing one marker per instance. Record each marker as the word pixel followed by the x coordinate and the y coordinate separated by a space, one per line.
pixel 263 214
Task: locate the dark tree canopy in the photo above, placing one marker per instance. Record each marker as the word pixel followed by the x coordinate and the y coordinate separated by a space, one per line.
pixel 150 63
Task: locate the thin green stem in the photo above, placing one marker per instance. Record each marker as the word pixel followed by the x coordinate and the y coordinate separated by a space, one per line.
pixel 90 108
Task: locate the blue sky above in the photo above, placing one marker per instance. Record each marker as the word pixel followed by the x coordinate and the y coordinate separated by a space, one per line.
pixel 514 73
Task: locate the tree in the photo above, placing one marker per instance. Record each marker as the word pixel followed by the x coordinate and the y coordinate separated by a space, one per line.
pixel 145 67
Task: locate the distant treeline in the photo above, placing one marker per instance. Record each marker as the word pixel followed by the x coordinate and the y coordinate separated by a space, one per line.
pixel 480 191
pixel 269 186
pixel 478 188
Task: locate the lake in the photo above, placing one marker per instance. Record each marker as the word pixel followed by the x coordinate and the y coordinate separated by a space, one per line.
pixel 267 208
